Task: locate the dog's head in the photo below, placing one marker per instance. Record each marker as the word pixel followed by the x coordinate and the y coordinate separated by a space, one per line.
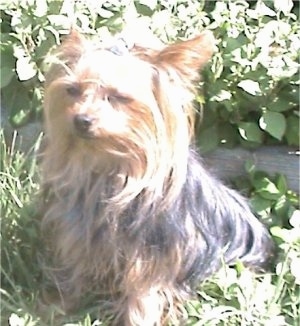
pixel 126 104
pixel 124 99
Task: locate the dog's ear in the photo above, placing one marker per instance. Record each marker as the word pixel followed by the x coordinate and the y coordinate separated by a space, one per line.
pixel 187 57
pixel 74 37
pixel 72 47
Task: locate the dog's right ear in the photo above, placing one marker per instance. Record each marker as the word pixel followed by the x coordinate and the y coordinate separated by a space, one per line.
pixel 75 36
pixel 66 55
pixel 72 47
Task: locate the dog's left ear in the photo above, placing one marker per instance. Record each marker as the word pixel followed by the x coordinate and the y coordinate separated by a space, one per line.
pixel 187 57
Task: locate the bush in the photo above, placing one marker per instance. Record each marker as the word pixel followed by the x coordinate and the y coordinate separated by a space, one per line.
pixel 250 89
pixel 252 86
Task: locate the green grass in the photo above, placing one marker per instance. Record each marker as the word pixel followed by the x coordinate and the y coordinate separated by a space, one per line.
pixel 232 297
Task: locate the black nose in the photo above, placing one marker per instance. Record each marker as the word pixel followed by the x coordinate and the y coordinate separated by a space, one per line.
pixel 82 122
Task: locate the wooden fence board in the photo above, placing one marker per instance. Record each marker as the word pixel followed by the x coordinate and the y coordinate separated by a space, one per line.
pixel 228 163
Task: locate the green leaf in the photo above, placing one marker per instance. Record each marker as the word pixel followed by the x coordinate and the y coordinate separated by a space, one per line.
pixel 274 123
pixel 40 8
pixel 151 4
pixel 263 10
pixel 21 117
pixel 261 205
pixel 143 9
pixel 208 139
pixel 193 307
pixel 283 5
pixel 292 130
pixel 16 99
pixel 282 183
pixel 281 207
pixel 250 86
pixel 235 43
pixel 295 219
pixel 217 65
pixel 250 132
pixel 266 188
pixel 281 233
pixel 6 74
pixel 280 104
pixel 26 69
pixel 209 118
pixel 58 22
pixel 223 95
pixel 103 13
pixel 295 269
pixel 286 235
pixel 228 135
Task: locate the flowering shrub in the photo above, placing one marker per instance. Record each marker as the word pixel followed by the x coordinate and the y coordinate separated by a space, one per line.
pixel 250 89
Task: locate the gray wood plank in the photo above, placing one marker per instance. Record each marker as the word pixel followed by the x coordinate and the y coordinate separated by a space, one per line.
pixel 228 163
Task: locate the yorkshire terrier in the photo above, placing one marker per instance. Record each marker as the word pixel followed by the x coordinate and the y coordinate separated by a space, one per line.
pixel 131 213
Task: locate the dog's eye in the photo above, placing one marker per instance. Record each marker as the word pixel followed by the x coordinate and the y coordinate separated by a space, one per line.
pixel 73 90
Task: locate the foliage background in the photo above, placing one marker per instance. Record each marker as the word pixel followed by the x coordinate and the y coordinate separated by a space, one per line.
pixel 250 89
pixel 249 95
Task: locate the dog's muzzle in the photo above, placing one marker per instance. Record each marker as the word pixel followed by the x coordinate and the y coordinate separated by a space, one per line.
pixel 82 125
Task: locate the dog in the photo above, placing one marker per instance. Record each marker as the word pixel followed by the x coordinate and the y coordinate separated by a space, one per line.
pixel 131 214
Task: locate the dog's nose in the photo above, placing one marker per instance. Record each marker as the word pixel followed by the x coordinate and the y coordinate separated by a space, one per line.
pixel 82 122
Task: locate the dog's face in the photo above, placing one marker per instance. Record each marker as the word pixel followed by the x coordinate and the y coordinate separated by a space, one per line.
pixel 105 96
pixel 123 103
